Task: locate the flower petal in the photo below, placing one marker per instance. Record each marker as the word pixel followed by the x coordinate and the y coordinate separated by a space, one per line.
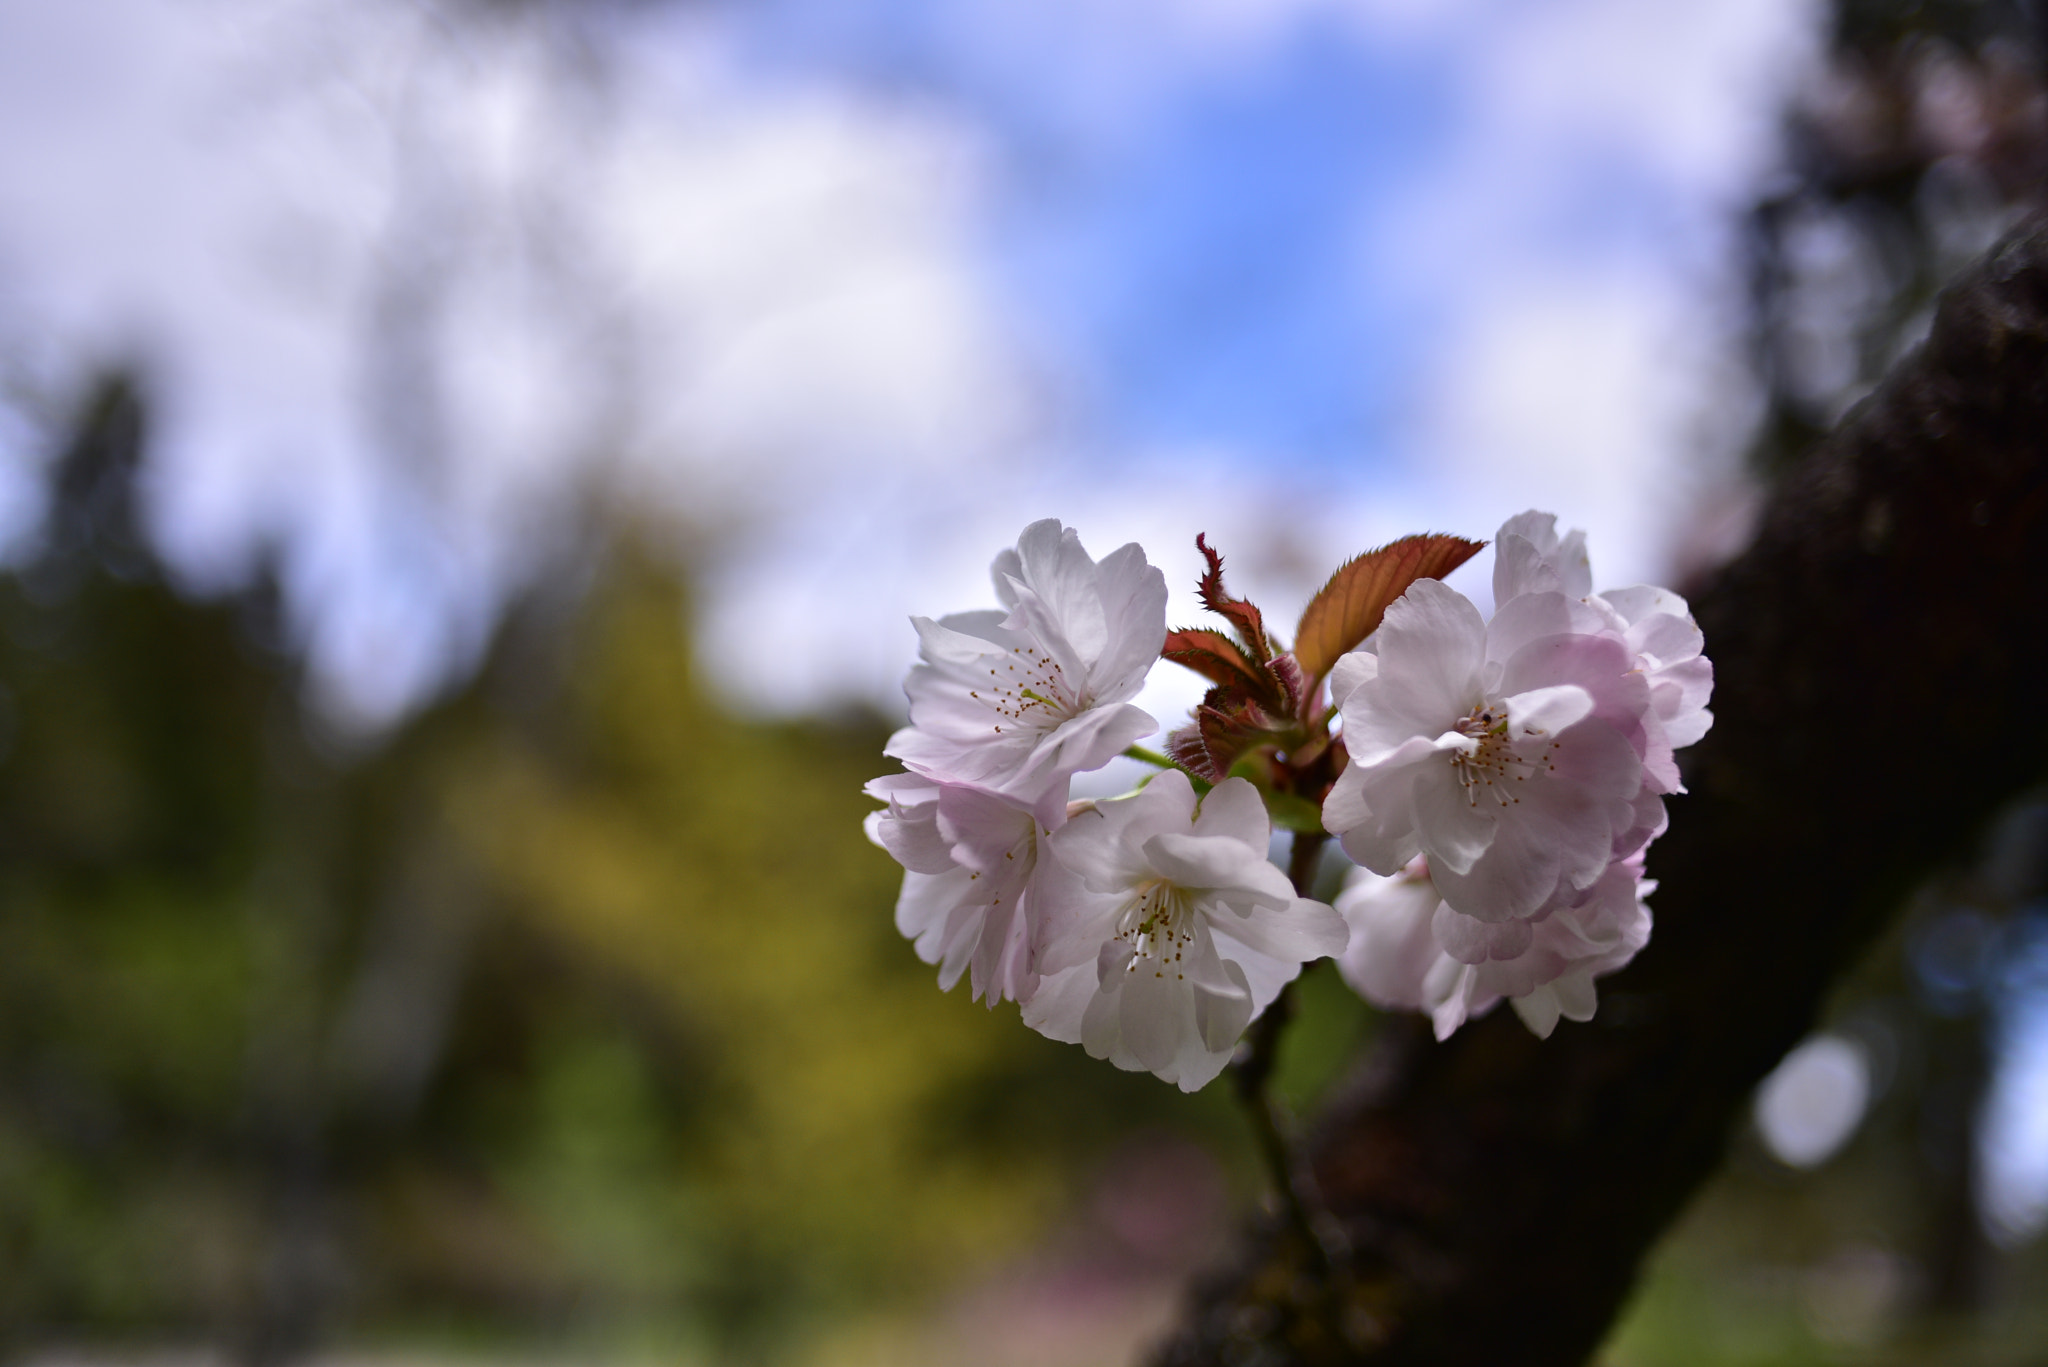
pixel 1234 810
pixel 1156 1014
pixel 1298 931
pixel 1217 862
pixel 1539 1011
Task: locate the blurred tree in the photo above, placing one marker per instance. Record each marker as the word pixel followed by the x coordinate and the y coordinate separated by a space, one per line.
pixel 1924 138
pixel 572 1003
pixel 1887 626
pixel 1496 1198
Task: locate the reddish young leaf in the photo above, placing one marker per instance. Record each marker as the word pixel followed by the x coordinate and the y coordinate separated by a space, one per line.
pixel 1350 606
pixel 1222 661
pixel 1297 689
pixel 1185 747
pixel 1215 657
pixel 1225 726
pixel 1241 614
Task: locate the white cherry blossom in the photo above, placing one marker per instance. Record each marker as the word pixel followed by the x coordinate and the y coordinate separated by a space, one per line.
pixel 1655 623
pixel 976 881
pixel 1021 698
pixel 1185 931
pixel 1510 753
pixel 1409 950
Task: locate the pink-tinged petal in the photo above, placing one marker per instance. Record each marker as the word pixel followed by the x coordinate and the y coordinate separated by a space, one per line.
pixel 1353 670
pixel 922 906
pixel 1018 701
pixel 1594 663
pixel 1373 806
pixel 1068 923
pixel 1061 576
pixel 1539 1011
pixel 1520 569
pixel 1579 943
pixel 1087 742
pixel 1574 822
pixel 1454 1003
pixel 1061 1002
pixel 1536 616
pixel 932 755
pixel 1266 974
pixel 959 935
pixel 940 915
pixel 1594 757
pixel 1196 1068
pixel 1381 850
pixel 1519 874
pixel 1156 1014
pixel 1576 998
pixel 911 790
pixel 1295 932
pixel 1222 1011
pixel 1102 1023
pixel 1007 571
pixel 986 831
pixel 1382 838
pixel 1638 823
pixel 1664 640
pixel 1547 711
pixel 1376 737
pixel 1391 949
pixel 1133 595
pixel 1001 969
pixel 1431 644
pixel 1472 941
pixel 1660 765
pixel 962 638
pixel 1262 972
pixel 911 836
pixel 1682 693
pixel 1091 847
pixel 1041 624
pixel 1113 960
pixel 1103 843
pixel 1643 601
pixel 1574 565
pixel 1234 810
pixel 1197 861
pixel 1454 828
pixel 1542 562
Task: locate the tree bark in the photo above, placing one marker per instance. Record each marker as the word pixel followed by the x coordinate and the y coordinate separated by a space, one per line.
pixel 1880 650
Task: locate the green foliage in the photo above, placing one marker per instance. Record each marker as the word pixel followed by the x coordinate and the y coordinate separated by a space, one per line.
pixel 572 1005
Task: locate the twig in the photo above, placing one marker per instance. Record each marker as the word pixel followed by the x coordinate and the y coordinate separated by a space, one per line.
pixel 1251 1072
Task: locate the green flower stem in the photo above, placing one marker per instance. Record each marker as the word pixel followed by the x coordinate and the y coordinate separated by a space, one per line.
pixel 1152 757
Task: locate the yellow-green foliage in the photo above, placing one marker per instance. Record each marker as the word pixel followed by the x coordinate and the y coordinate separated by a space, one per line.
pixel 720 867
pixel 573 1001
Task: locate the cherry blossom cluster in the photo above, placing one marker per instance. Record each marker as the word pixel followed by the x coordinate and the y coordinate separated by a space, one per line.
pixel 1505 777
pixel 1498 780
pixel 1148 928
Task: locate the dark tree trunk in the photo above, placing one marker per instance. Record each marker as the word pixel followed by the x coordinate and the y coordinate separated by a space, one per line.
pixel 1881 651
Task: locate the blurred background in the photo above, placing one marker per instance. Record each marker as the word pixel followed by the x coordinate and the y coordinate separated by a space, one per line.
pixel 465 466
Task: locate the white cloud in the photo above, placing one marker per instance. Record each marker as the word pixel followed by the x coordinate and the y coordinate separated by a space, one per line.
pixel 372 255
pixel 1575 249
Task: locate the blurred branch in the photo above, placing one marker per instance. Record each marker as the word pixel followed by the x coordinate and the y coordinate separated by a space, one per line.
pixel 1881 649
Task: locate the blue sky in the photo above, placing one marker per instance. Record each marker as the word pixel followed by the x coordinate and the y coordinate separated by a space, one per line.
pixel 1193 254
pixel 854 291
